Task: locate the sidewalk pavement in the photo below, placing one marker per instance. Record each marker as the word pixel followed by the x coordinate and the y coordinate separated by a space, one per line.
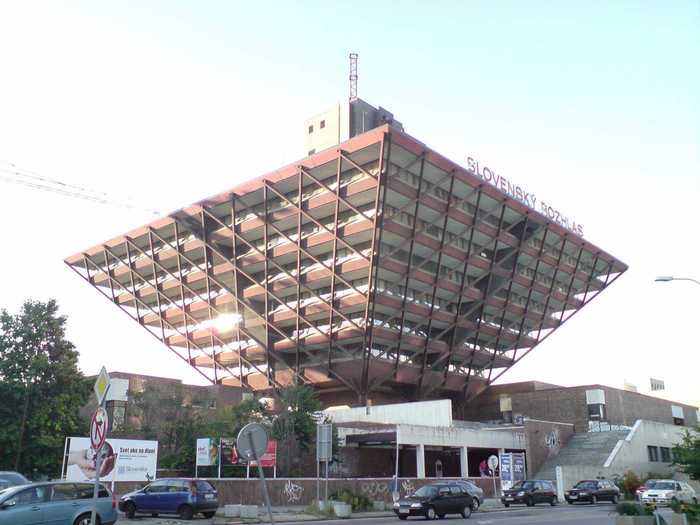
pixel 287 514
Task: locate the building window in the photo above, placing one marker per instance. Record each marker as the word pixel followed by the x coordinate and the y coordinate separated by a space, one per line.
pixel 665 454
pixel 311 129
pixel 596 412
pixel 678 416
pixel 653 453
pixel 323 124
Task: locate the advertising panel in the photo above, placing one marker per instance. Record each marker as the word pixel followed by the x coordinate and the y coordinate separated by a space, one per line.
pixel 229 454
pixel 519 466
pixel 269 459
pixel 207 452
pixel 122 460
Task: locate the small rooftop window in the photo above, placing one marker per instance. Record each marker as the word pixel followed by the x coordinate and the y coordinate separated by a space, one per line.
pixel 311 128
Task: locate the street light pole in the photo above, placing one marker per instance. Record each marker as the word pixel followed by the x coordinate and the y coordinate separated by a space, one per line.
pixel 666 278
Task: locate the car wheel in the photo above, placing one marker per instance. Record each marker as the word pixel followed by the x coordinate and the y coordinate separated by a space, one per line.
pixel 430 513
pixel 614 500
pixel 553 501
pixel 695 501
pixel 441 516
pixel 594 500
pixel 84 519
pixel 209 514
pixel 185 512
pixel 475 504
pixel 130 510
pixel 154 515
pixel 530 502
pixel 403 517
pixel 506 505
pixel 674 500
pixel 467 511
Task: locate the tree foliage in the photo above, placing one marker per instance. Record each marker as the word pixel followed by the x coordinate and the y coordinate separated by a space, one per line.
pixel 294 428
pixel 41 389
pixel 686 454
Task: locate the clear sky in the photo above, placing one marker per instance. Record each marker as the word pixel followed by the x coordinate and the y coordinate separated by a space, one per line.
pixel 594 106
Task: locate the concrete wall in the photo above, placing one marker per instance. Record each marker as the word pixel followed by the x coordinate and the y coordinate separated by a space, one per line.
pixel 544 440
pixel 302 491
pixel 631 453
pixel 429 413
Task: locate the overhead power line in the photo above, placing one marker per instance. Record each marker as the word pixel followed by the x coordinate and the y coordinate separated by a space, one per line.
pixel 13 175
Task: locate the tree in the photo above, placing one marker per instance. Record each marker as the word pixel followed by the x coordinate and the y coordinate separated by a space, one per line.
pixel 295 428
pixel 686 454
pixel 41 389
pixel 161 412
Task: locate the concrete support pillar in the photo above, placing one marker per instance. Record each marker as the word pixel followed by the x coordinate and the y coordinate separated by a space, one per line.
pixel 463 462
pixel 420 461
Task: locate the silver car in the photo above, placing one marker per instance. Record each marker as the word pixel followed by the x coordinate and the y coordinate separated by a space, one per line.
pixel 667 491
pixel 475 492
pixel 57 503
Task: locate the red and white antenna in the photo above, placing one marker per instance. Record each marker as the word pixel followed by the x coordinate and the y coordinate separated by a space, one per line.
pixel 353 76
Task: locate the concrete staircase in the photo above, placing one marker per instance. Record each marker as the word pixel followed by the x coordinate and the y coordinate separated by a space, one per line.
pixel 589 448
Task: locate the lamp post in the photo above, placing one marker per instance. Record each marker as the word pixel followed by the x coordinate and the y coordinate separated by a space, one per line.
pixel 666 278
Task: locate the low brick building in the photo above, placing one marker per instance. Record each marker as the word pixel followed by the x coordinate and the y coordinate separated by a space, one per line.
pixel 588 407
pixel 124 384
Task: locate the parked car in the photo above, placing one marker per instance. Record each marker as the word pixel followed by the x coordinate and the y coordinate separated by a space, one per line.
pixel 477 493
pixel 667 491
pixel 182 496
pixel 592 491
pixel 57 503
pixel 12 479
pixel 530 492
pixel 435 500
pixel 642 489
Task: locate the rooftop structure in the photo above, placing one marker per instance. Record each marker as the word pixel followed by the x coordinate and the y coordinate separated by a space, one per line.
pixel 373 270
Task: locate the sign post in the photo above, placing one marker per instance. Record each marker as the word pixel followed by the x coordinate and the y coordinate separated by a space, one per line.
pixel 251 444
pixel 99 426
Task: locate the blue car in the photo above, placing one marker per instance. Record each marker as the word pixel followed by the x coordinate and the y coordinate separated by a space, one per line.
pixel 181 496
pixel 12 479
pixel 55 503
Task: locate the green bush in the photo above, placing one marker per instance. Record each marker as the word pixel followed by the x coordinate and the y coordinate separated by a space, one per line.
pixel 359 502
pixel 627 508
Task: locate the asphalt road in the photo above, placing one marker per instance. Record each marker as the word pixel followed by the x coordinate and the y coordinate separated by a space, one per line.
pixel 567 515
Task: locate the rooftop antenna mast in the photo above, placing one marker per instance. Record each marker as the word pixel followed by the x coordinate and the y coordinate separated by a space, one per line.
pixel 353 76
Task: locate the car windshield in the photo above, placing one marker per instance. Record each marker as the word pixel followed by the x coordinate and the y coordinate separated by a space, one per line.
pixel 590 485
pixel 426 492
pixel 664 485
pixel 524 485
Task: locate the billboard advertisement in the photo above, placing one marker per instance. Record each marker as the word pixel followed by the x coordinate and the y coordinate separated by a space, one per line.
pixel 122 460
pixel 207 452
pixel 229 455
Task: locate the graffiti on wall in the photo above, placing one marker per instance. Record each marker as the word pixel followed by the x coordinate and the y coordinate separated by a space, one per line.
pixel 292 491
pixel 407 487
pixel 375 489
pixel 552 442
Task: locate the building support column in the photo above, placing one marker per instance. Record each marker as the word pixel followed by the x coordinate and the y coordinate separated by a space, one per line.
pixel 420 461
pixel 463 462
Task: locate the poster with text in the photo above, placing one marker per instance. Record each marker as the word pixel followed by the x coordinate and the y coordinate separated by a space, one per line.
pixel 207 452
pixel 122 460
